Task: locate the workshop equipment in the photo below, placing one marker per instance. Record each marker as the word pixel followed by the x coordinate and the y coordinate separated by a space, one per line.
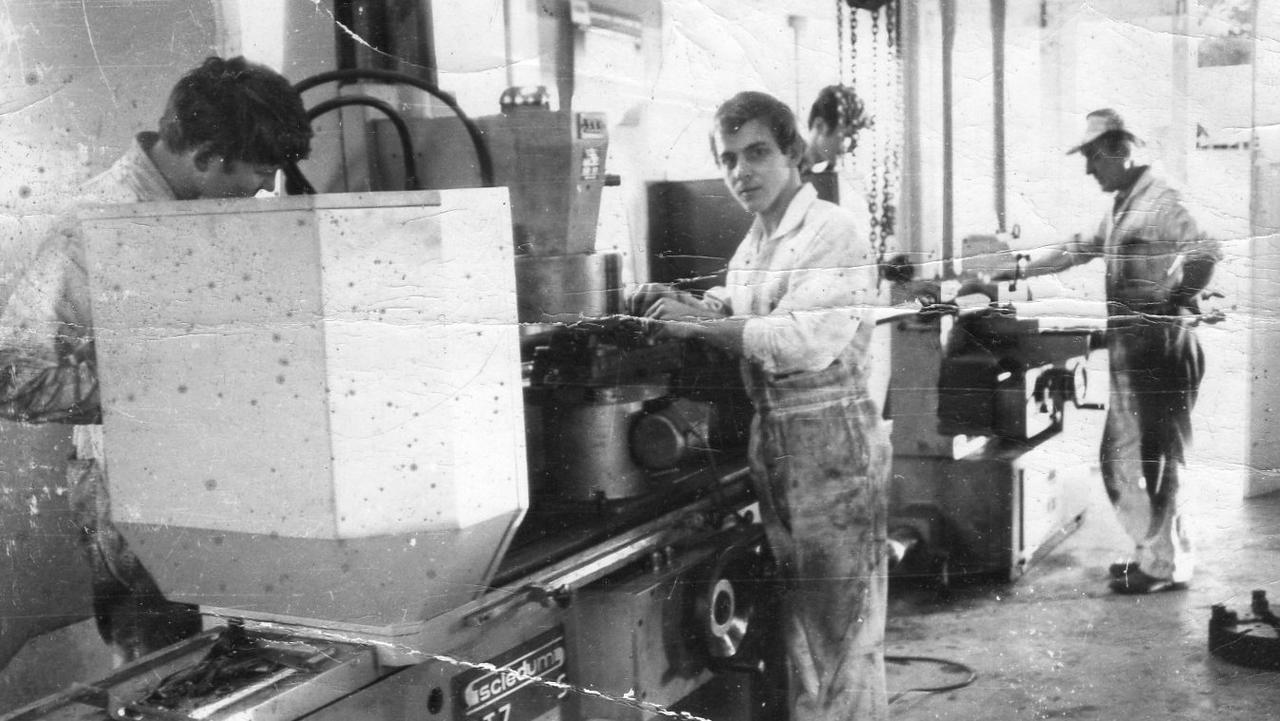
pixel 554 163
pixel 1252 641
pixel 420 472
pixel 326 324
pixel 986 481
pixel 610 413
pixel 455 495
pixel 619 412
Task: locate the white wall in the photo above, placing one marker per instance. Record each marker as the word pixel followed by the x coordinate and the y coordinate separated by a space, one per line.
pixel 1264 253
pixel 1077 57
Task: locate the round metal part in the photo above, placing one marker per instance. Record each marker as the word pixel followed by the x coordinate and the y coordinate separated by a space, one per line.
pixel 725 624
pixel 585 456
pixel 657 441
pixel 1079 385
pixel 724 605
pixel 666 437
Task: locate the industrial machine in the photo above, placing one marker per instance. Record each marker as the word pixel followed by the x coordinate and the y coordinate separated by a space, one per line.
pixel 988 481
pixel 1251 641
pixel 985 480
pixel 515 507
pixel 391 504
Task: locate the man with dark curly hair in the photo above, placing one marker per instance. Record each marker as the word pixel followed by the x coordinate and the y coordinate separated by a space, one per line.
pixel 835 119
pixel 228 127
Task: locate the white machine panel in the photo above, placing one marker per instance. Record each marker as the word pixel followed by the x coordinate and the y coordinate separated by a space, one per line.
pixel 337 366
pixel 312 405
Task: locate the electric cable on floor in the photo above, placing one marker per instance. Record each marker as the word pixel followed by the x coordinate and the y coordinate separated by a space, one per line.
pixel 907 660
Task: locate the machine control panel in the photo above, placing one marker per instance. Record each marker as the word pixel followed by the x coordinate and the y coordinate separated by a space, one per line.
pixel 591 125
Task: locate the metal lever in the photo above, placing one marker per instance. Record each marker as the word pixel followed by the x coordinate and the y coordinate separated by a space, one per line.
pixel 1020 262
pixel 1079 380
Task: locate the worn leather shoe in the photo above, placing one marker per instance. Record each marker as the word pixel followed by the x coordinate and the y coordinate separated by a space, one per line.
pixel 1137 581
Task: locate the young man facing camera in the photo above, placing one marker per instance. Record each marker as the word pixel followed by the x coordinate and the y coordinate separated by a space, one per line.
pixel 229 125
pixel 793 308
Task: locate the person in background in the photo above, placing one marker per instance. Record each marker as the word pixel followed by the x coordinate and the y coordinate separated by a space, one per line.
pixel 228 127
pixel 1157 262
pixel 794 309
pixel 836 118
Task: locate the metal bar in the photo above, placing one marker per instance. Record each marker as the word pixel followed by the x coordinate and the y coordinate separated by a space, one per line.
pixel 910 235
pixel 427 44
pixel 597 562
pixel 210 709
pixel 948 160
pixel 998 22
pixel 120 682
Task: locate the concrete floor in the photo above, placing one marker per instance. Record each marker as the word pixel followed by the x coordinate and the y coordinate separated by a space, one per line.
pixel 1057 644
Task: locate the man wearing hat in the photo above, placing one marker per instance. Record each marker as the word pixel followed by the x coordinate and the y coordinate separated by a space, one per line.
pixel 1157 262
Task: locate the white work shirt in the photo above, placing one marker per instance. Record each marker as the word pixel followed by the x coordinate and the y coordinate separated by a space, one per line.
pixel 804 289
pixel 48 313
pixel 851 194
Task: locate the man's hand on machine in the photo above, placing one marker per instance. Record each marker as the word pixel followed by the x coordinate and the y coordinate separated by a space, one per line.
pixel 675 308
pixel 647 294
pixel 679 315
pixel 650 294
pixel 672 329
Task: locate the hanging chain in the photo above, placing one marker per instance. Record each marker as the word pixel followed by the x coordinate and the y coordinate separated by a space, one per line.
pixel 853 48
pixel 873 195
pixel 892 175
pixel 882 69
pixel 840 49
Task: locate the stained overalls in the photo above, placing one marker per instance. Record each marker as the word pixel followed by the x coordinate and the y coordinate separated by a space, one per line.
pixel 1156 365
pixel 820 458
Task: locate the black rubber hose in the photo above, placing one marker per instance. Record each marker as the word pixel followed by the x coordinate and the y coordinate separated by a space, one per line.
pixel 411 181
pixel 477 139
pixel 970 674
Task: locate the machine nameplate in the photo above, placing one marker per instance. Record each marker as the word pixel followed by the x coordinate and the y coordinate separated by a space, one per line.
pixel 511 688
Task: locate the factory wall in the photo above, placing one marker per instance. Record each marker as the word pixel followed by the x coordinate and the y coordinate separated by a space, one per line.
pixel 1263 253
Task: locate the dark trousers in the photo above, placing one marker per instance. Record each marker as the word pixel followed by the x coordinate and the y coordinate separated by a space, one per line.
pixel 133 616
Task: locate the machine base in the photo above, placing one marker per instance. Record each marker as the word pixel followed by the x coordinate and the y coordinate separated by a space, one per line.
pixel 993 513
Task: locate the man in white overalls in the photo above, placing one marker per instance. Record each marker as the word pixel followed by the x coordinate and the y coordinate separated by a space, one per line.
pixel 1157 262
pixel 794 308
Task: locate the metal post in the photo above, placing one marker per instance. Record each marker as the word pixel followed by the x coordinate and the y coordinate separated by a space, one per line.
pixel 1180 100
pixel 948 164
pixel 909 203
pixel 1263 448
pixel 997 91
pixel 426 55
